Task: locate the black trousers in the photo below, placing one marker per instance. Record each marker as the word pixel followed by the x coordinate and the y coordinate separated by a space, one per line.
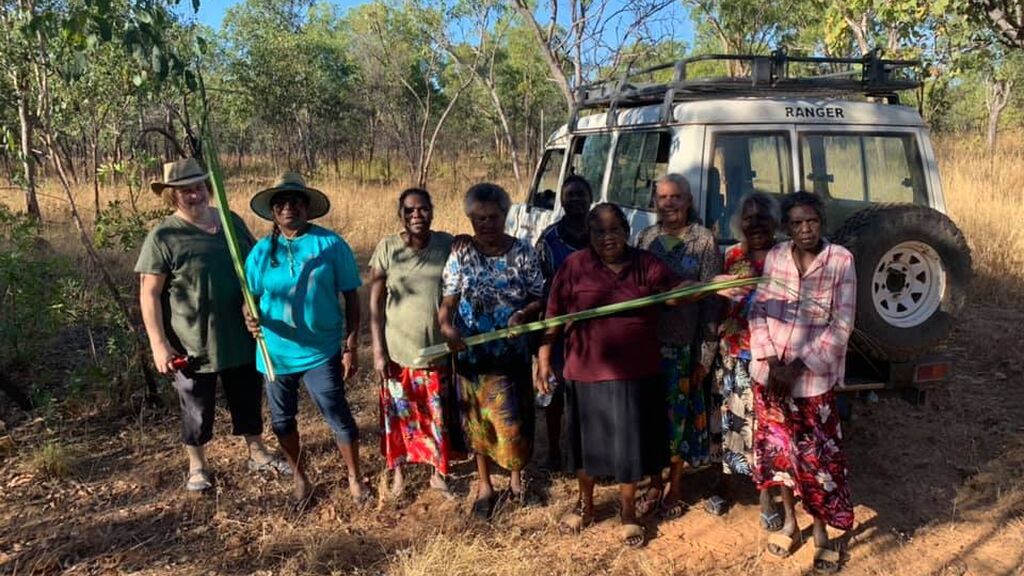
pixel 197 395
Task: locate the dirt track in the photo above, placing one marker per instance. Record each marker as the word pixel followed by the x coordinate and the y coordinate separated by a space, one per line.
pixel 939 490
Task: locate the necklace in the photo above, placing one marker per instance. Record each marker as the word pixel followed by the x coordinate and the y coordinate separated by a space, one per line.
pixel 288 253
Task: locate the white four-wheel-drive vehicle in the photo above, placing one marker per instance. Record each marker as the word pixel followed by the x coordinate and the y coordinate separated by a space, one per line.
pixel 829 126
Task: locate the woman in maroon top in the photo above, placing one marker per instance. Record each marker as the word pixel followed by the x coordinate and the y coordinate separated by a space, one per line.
pixel 614 401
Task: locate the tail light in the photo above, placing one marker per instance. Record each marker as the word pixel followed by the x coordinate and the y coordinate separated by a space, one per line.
pixel 932 372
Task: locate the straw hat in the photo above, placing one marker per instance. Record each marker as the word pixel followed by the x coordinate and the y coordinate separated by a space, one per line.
pixel 180 174
pixel 290 182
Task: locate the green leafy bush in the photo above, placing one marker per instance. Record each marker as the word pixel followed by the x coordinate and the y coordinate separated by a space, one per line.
pixel 118 226
pixel 29 287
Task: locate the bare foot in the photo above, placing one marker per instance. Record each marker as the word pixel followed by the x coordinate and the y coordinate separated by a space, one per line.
pixel 398 483
pixel 359 490
pixel 437 482
pixel 302 490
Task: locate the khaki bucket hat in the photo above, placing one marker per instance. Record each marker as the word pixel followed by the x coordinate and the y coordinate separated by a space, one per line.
pixel 290 182
pixel 180 174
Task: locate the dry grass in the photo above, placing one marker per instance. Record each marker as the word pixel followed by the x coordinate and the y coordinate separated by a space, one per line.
pixel 53 460
pixel 984 196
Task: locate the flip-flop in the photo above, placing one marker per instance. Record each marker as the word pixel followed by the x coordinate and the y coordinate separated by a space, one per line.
pixel 771 522
pixel 647 501
pixel 483 508
pixel 521 499
pixel 780 545
pixel 633 535
pixel 716 506
pixel 198 480
pixel 673 511
pixel 826 561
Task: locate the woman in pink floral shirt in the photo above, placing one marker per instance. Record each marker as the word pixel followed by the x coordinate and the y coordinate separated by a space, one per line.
pixel 800 323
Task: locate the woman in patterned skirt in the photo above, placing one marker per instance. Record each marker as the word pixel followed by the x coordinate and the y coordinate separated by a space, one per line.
pixel 754 223
pixel 800 324
pixel 490 282
pixel 405 292
pixel 688 333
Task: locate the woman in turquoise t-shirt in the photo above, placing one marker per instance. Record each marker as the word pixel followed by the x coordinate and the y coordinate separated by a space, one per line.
pixel 301 274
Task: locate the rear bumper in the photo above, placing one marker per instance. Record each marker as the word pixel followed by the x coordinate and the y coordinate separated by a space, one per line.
pixel 865 374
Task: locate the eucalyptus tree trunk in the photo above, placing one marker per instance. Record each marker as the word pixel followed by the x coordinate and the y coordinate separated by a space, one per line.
pixel 94 146
pixel 24 119
pixel 997 97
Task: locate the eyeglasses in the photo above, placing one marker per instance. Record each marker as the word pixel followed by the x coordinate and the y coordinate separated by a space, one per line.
pixel 281 201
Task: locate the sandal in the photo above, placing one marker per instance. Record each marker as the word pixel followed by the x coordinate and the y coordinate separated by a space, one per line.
pixel 771 522
pixel 647 501
pixel 575 521
pixel 198 480
pixel 826 561
pixel 780 545
pixel 673 511
pixel 716 506
pixel 483 508
pixel 633 535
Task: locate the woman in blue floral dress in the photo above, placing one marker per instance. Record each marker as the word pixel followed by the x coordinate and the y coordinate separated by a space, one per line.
pixel 490 282
pixel 688 334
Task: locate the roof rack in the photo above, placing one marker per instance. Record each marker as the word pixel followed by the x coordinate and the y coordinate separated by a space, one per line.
pixel 759 75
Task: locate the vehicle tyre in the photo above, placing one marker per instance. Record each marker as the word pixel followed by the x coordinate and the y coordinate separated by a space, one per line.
pixel 913 272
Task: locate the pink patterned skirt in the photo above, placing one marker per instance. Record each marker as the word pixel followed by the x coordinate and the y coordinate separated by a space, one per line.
pixel 798 444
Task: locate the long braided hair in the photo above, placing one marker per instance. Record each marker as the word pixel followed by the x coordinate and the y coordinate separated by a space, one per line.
pixel 274 262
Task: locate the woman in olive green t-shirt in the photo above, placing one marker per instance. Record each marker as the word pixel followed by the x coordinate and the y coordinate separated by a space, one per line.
pixel 405 292
pixel 192 307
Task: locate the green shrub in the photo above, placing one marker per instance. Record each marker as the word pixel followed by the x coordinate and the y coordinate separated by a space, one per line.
pixel 29 288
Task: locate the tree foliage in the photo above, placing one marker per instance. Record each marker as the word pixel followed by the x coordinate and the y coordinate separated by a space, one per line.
pixel 404 89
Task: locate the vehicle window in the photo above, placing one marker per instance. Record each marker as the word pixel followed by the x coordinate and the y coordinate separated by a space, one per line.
pixel 640 159
pixel 743 163
pixel 589 157
pixel 863 168
pixel 544 191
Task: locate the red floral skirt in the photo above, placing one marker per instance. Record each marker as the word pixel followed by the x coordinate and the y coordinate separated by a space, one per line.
pixel 412 418
pixel 798 444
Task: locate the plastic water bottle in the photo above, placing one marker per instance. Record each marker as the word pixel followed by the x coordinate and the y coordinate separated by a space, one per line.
pixel 544 400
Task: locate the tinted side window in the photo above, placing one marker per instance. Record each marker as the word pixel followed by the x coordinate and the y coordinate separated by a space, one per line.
pixel 589 157
pixel 543 194
pixel 852 171
pixel 863 168
pixel 742 163
pixel 640 159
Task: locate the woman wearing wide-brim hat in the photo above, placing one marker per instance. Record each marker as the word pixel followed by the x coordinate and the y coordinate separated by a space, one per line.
pixel 301 274
pixel 191 305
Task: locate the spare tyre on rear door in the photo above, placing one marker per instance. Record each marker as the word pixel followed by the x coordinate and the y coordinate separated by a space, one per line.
pixel 913 272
